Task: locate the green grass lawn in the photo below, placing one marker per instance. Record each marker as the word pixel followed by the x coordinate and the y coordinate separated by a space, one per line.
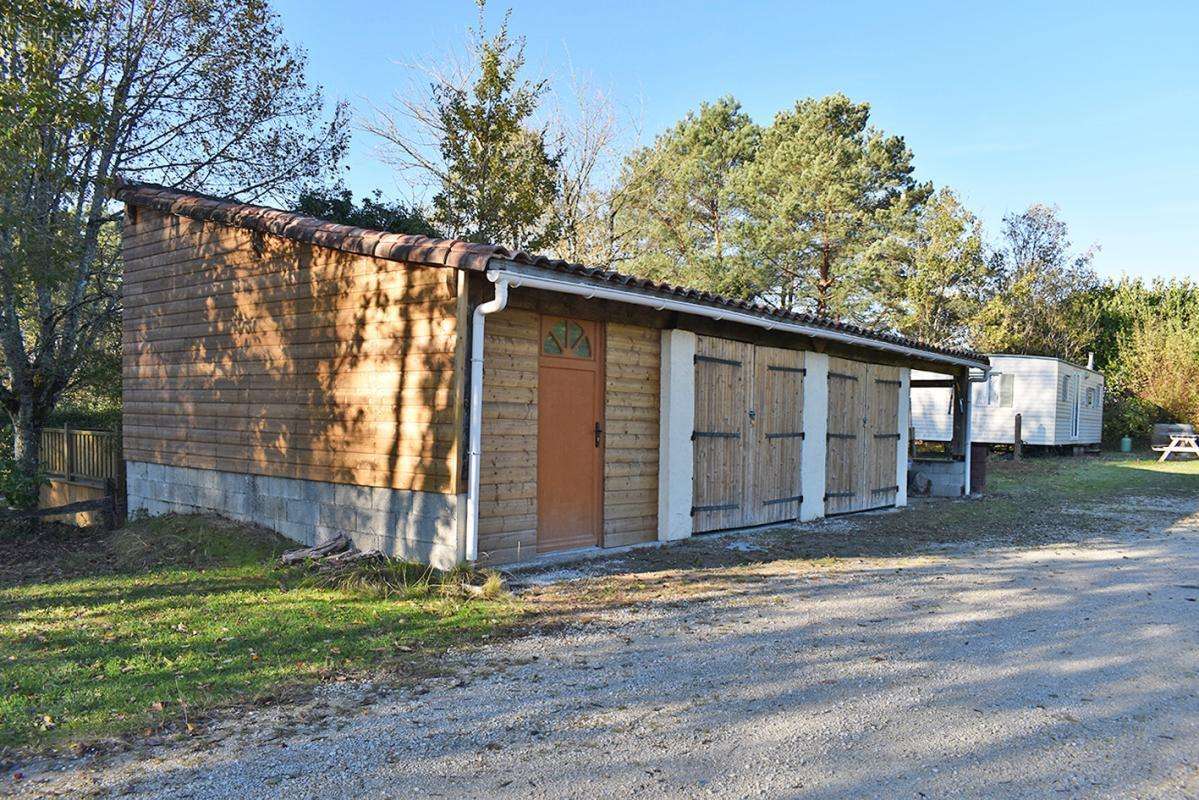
pixel 1045 496
pixel 151 627
pixel 1079 478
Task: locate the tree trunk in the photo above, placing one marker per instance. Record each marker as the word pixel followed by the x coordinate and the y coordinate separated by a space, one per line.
pixel 27 455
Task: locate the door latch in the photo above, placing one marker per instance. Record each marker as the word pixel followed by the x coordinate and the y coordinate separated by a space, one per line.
pixel 598 431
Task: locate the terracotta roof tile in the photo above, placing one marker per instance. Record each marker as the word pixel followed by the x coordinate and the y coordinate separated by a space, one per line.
pixel 459 254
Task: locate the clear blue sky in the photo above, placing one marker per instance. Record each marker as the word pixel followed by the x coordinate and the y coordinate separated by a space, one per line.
pixel 1093 107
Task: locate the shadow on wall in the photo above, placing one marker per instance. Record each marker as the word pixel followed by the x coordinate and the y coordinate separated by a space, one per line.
pixel 256 355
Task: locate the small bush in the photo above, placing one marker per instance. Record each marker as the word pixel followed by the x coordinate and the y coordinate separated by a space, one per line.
pixel 385 578
pixel 19 489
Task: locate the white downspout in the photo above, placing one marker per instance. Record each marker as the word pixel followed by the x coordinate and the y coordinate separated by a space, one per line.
pixel 474 448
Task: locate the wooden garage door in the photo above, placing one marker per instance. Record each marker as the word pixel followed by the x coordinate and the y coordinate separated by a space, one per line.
pixel 721 431
pixel 748 436
pixel 863 430
pixel 773 466
pixel 882 429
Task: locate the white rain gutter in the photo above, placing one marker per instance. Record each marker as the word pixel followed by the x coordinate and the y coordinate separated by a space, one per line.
pixel 474 448
pixel 590 290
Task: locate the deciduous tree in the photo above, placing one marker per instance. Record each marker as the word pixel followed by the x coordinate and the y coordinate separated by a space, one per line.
pixel 1041 304
pixel 191 93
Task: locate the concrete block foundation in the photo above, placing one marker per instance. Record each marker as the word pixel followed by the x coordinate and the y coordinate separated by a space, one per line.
pixel 421 526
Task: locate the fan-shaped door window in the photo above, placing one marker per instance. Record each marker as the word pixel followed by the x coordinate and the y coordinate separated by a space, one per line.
pixel 566 338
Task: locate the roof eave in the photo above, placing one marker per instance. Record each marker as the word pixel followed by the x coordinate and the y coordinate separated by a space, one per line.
pixel 518 275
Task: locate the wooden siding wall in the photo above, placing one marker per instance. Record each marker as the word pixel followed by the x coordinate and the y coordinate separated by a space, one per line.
pixel 508 499
pixel 508 478
pixel 631 444
pixel 256 354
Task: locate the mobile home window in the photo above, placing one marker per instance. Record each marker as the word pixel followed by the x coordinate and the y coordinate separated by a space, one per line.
pixel 992 397
pixel 998 392
pixel 1065 389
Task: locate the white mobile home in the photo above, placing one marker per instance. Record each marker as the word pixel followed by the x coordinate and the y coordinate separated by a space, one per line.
pixel 1059 403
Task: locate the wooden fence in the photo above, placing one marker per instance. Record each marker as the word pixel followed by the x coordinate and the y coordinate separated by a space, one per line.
pixel 85 457
pixel 86 477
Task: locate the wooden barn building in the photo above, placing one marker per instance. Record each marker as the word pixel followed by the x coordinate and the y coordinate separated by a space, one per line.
pixel 447 401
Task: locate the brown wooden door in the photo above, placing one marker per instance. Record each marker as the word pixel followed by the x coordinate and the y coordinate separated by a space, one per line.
pixel 569 434
pixel 773 467
pixel 723 380
pixel 863 429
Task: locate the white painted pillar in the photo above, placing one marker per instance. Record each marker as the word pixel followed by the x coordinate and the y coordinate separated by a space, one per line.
pixel 969 412
pixel 676 461
pixel 905 428
pixel 814 461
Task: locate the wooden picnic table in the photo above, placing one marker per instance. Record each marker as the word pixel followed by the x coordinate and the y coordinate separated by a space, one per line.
pixel 1181 443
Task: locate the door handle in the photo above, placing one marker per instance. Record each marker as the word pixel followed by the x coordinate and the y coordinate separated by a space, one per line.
pixel 598 431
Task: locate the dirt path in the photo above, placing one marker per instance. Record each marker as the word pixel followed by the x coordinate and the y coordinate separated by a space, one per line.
pixel 1026 671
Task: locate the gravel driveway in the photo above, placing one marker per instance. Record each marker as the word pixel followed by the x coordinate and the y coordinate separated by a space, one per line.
pixel 1032 671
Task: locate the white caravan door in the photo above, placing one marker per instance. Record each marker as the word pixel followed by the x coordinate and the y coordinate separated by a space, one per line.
pixel 1074 407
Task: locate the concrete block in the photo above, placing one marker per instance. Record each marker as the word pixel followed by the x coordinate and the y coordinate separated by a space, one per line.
pixel 316 492
pixel 287 488
pixel 207 479
pixel 393 500
pixel 345 494
pixel 295 531
pixel 155 472
pixel 134 484
pixel 210 498
pixel 342 518
pixel 183 493
pixel 302 512
pixel 323 533
pixel 380 523
pixel 238 505
pixel 439 554
pixel 269 486
pixel 430 506
pixel 234 483
pixel 274 508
